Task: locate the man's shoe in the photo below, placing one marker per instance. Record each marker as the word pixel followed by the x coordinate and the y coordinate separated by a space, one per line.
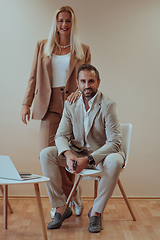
pixel 53 211
pixel 58 219
pixel 95 225
pixel 77 202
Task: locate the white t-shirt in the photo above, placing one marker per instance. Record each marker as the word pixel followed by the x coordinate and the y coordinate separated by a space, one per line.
pixel 60 65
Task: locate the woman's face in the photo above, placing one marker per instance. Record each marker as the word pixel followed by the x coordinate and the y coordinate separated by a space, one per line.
pixel 64 23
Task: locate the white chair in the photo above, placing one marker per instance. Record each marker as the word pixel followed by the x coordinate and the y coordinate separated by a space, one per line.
pixel 89 174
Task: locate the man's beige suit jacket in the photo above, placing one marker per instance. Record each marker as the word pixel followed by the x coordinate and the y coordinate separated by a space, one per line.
pixel 104 132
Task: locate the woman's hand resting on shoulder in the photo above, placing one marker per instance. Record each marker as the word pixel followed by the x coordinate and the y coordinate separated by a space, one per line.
pixel 73 97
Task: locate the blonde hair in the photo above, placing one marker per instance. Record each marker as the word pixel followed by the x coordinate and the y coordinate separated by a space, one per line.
pixel 53 38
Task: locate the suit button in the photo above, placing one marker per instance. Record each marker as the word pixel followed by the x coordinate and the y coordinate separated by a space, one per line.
pixel 66 91
pixel 62 89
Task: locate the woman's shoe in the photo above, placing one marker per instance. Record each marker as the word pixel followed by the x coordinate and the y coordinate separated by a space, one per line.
pixel 77 202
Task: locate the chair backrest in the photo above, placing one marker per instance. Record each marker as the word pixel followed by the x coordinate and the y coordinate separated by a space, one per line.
pixel 126 137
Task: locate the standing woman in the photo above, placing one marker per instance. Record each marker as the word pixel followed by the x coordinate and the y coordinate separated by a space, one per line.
pixel 53 80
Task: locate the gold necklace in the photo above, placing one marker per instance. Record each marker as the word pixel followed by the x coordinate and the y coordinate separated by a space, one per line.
pixel 64 46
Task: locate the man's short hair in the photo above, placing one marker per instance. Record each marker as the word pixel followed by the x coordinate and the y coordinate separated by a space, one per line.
pixel 88 67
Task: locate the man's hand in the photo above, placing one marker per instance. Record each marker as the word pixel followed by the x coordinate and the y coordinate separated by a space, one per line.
pixel 81 164
pixel 70 158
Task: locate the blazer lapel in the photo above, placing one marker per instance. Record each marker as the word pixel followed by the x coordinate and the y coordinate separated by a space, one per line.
pixel 72 64
pixel 79 119
pixel 95 108
pixel 48 64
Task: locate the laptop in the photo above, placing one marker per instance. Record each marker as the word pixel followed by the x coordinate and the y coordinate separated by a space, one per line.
pixel 9 171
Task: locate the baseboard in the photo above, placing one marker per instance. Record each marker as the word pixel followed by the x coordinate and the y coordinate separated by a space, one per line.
pixel 130 198
pixel 91 198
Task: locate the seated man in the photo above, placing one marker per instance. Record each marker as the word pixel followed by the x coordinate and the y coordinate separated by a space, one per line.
pixel 89 133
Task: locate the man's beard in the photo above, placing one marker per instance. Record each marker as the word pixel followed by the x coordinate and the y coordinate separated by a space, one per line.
pixel 92 93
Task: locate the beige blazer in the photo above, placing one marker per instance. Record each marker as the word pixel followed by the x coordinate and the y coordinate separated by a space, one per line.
pixel 104 131
pixel 39 84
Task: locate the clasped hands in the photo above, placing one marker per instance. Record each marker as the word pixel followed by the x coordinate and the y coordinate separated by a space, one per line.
pixel 81 162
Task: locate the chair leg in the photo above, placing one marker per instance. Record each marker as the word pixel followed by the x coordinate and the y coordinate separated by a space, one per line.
pixel 95 188
pixel 9 206
pixel 126 199
pixel 102 221
pixel 73 189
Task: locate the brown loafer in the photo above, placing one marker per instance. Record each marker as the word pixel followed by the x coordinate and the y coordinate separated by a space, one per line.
pixel 58 219
pixel 95 224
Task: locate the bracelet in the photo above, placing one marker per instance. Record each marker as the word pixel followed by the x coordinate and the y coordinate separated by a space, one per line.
pixel 25 105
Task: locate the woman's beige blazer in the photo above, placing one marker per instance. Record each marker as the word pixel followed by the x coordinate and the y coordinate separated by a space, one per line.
pixel 39 84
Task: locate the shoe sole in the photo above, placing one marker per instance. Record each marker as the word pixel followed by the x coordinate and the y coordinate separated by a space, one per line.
pixel 93 231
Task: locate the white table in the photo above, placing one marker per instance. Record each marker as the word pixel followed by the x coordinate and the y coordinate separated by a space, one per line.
pixel 36 181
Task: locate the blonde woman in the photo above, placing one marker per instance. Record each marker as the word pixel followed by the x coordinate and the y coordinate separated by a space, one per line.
pixel 52 81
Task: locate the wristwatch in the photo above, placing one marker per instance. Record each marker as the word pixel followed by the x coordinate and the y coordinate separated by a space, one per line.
pixel 91 160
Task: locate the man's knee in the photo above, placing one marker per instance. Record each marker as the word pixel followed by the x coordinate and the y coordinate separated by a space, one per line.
pixel 114 161
pixel 47 154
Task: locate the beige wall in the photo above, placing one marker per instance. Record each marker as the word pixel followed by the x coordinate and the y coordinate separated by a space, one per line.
pixel 124 37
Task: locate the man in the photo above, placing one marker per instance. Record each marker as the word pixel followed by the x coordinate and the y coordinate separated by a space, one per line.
pixel 89 133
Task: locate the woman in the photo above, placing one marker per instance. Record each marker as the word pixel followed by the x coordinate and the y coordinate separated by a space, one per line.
pixel 53 79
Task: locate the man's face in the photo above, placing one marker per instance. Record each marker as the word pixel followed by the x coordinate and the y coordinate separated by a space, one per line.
pixel 87 83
